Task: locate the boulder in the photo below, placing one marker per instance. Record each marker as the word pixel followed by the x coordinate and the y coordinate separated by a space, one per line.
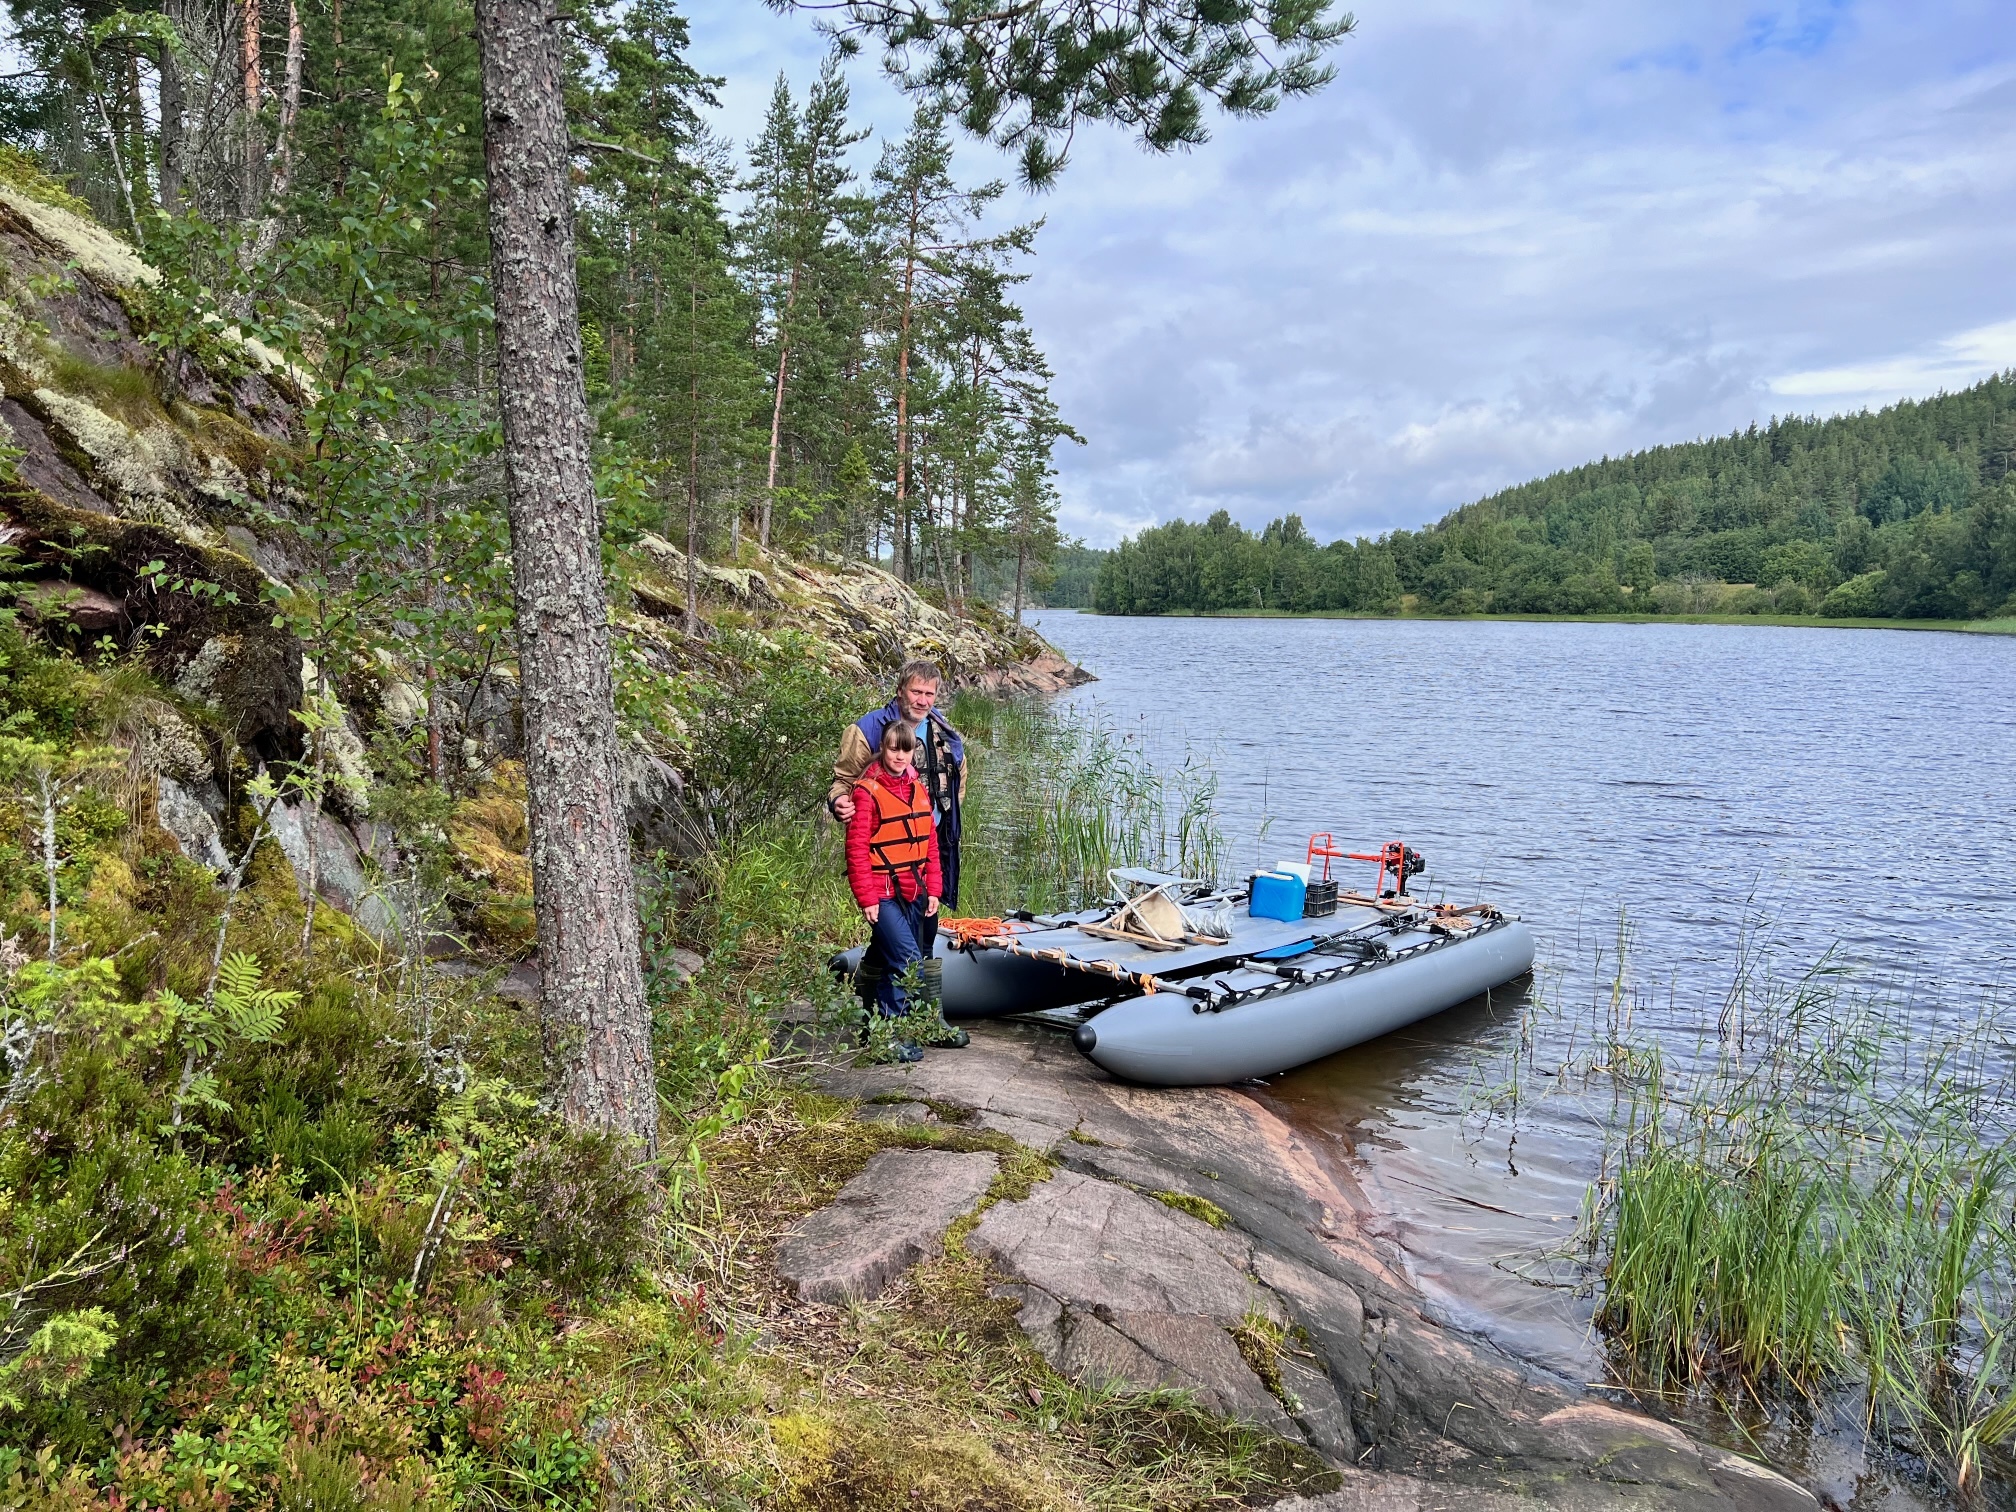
pixel 54 603
pixel 189 823
pixel 1150 1351
pixel 1023 1131
pixel 1617 1446
pixel 884 1221
pixel 341 879
pixel 1100 1248
pixel 1045 672
pixel 1115 1287
pixel 1118 1290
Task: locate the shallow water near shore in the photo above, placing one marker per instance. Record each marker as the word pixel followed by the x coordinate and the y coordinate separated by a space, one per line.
pixel 1669 806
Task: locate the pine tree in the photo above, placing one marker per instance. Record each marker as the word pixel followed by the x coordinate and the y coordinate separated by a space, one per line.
pixel 798 254
pixel 930 251
pixel 596 1020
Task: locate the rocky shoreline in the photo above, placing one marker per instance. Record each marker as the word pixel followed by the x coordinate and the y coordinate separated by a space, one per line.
pixel 1192 1239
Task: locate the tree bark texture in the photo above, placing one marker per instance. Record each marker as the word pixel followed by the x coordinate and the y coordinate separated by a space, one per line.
pixel 253 148
pixel 596 1022
pixel 777 409
pixel 172 108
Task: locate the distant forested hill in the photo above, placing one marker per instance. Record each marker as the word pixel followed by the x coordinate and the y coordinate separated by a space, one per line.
pixel 1906 513
pixel 1068 580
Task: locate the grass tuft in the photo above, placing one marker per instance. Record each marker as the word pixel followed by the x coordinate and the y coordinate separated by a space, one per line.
pixel 1819 1212
pixel 1058 799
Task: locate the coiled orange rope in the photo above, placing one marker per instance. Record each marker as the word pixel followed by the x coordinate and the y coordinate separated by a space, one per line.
pixel 964 932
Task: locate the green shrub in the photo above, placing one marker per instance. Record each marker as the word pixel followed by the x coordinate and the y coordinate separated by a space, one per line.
pixel 763 740
pixel 1858 598
pixel 578 1208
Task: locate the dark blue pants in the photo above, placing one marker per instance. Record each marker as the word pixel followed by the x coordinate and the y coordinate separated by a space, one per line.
pixel 902 933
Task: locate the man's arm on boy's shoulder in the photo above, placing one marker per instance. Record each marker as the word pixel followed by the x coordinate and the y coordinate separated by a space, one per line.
pixel 853 761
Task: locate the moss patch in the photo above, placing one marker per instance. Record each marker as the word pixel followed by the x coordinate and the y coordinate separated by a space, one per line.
pixel 1261 1343
pixel 490 837
pixel 853 1461
pixel 1202 1208
pixel 23 171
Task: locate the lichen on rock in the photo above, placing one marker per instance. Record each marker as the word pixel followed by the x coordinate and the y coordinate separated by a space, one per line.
pixel 135 466
pixel 96 251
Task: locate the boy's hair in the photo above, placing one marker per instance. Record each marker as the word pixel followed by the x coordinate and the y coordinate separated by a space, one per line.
pixel 898 736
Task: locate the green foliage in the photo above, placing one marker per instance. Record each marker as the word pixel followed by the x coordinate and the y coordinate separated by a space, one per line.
pixel 576 1207
pixel 400 516
pixel 762 740
pixel 1069 576
pixel 1860 597
pixel 238 1009
pixel 57 1356
pixel 1221 565
pixel 21 170
pixel 1027 78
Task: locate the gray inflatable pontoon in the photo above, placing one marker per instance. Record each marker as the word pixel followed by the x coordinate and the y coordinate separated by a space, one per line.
pixel 1256 1019
pixel 980 985
pixel 1253 997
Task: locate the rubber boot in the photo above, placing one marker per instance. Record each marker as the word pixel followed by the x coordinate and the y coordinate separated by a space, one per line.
pixel 896 1052
pixel 935 1031
pixel 865 983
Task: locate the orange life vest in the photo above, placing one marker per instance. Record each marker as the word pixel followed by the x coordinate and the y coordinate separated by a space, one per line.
pixel 901 839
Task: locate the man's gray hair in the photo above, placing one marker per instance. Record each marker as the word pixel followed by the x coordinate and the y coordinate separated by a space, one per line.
pixel 918 671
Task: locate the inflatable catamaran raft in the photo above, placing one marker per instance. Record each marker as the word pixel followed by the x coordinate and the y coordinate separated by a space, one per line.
pixel 1174 983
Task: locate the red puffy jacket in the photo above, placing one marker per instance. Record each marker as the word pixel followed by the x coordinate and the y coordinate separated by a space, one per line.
pixel 880 830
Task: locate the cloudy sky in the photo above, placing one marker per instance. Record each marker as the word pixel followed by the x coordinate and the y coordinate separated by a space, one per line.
pixel 1510 237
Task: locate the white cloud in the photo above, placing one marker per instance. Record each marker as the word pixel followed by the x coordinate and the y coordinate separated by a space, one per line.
pixel 1512 236
pixel 1952 363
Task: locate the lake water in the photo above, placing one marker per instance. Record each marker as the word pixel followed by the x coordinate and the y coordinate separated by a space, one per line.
pixel 1720 793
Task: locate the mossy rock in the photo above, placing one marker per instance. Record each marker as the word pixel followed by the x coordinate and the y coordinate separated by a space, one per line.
pixel 252 671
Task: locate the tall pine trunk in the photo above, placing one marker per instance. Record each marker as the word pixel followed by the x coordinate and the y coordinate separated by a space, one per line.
pixel 596 1023
pixel 903 388
pixel 173 104
pixel 252 150
pixel 777 409
pixel 281 177
pixel 693 461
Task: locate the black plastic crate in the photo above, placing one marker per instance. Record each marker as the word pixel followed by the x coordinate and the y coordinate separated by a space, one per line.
pixel 1321 900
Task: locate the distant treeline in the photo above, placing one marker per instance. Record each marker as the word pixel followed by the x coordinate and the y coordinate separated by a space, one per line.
pixel 1908 513
pixel 1070 577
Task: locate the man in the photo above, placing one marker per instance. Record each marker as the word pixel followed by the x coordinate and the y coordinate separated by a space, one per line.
pixel 941 759
pixel 941 763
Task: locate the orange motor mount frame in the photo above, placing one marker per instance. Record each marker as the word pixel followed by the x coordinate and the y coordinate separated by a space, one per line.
pixel 1392 857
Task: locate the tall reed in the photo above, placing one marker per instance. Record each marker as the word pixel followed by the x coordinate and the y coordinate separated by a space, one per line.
pixel 1820 1208
pixel 1056 799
